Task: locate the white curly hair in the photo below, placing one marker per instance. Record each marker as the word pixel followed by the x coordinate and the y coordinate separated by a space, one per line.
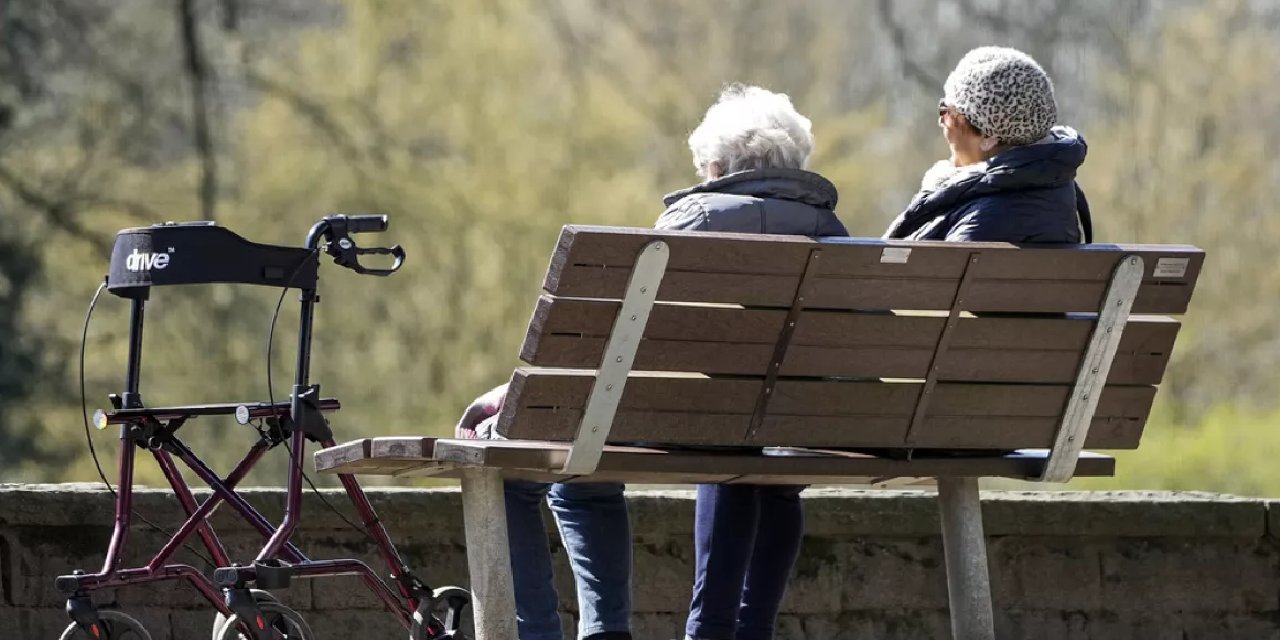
pixel 751 128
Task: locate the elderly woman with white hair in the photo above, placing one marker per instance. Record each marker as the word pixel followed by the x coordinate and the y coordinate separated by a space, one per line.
pixel 751 148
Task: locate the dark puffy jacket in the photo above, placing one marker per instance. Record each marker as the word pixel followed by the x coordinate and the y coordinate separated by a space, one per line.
pixel 781 201
pixel 1025 194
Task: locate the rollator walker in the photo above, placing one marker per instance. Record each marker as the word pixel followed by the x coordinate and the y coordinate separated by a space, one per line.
pixel 203 252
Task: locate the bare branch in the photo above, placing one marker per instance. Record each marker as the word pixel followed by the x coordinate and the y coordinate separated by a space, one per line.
pixel 898 37
pixel 60 213
pixel 313 112
pixel 198 75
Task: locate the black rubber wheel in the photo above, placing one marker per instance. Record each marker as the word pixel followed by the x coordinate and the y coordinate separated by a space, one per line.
pixel 440 618
pixel 220 620
pixel 116 625
pixel 284 623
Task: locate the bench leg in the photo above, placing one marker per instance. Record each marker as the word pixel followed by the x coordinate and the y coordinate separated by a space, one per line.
pixel 968 578
pixel 484 511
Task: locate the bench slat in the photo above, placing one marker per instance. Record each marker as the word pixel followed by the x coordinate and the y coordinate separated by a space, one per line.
pixel 684 409
pixel 537 460
pixel 569 332
pixel 1025 296
pixel 567 389
pixel 821 431
pixel 759 270
pixel 382 456
pixel 637 460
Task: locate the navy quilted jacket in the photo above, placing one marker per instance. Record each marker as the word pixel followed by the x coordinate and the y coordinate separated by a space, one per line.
pixel 1025 194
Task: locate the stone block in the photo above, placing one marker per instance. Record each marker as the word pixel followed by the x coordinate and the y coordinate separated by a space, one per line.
pixel 411 516
pixel 1057 573
pixel 657 626
pixel 1273 519
pixel 818 580
pixel 48 623
pixel 855 513
pixel 1040 624
pixel 191 624
pixel 1085 625
pixel 55 504
pixel 354 623
pixel 40 554
pixel 901 624
pixel 890 574
pixel 28 622
pixel 657 516
pixel 662 576
pixel 1189 574
pixel 437 565
pixel 7 573
pixel 1231 626
pixel 1121 514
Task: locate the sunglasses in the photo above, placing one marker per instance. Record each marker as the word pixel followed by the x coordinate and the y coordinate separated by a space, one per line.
pixel 943 109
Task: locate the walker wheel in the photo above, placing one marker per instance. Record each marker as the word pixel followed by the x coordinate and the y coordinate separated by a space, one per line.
pixel 219 620
pixel 440 618
pixel 116 625
pixel 278 621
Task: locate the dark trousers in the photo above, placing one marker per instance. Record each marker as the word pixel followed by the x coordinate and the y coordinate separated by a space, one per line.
pixel 747 538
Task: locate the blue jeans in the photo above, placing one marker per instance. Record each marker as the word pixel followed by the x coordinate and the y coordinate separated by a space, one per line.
pixel 746 541
pixel 596 532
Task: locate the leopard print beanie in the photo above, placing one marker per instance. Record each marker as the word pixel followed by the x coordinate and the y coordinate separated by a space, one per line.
pixel 1004 93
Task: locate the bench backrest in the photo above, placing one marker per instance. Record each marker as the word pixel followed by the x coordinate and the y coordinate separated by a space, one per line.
pixel 850 342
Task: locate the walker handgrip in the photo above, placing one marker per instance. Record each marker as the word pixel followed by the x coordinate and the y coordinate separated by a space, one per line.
pixel 367 224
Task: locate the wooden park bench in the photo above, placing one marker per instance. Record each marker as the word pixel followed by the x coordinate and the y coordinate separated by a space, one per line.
pixel 814 361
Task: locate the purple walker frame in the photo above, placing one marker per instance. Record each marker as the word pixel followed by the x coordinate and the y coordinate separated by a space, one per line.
pixel 295 420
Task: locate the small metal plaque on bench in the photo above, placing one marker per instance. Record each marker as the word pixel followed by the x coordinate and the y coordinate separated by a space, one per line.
pixel 1171 267
pixel 895 255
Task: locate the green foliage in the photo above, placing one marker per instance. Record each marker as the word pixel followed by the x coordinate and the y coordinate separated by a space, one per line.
pixel 1228 450
pixel 481 127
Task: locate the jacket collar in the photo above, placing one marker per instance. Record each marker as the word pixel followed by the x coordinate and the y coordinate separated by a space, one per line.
pixel 783 184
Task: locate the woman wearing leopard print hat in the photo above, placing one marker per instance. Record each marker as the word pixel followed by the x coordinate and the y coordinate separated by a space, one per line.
pixel 1011 174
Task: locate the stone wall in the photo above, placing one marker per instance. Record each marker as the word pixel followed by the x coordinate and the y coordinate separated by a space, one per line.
pixel 1064 565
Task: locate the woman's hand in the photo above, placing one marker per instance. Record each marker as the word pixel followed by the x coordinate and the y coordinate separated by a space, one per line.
pixel 483 408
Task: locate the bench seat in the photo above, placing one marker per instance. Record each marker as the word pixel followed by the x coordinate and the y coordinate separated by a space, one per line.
pixel 534 460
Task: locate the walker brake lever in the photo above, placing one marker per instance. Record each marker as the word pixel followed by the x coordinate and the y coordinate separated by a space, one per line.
pixel 393 250
pixel 345 253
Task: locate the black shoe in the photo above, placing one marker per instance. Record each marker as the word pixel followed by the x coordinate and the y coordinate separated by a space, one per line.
pixel 609 635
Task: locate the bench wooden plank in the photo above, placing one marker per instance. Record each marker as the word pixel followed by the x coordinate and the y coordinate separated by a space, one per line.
pixel 762 270
pixel 690 409
pixel 1130 367
pixel 872 293
pixel 786 255
pixel 538 460
pixel 619 477
pixel 639 460
pixel 862 431
pixel 568 332
pixel 692 393
pixel 631 477
pixel 730 323
pixel 381 456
